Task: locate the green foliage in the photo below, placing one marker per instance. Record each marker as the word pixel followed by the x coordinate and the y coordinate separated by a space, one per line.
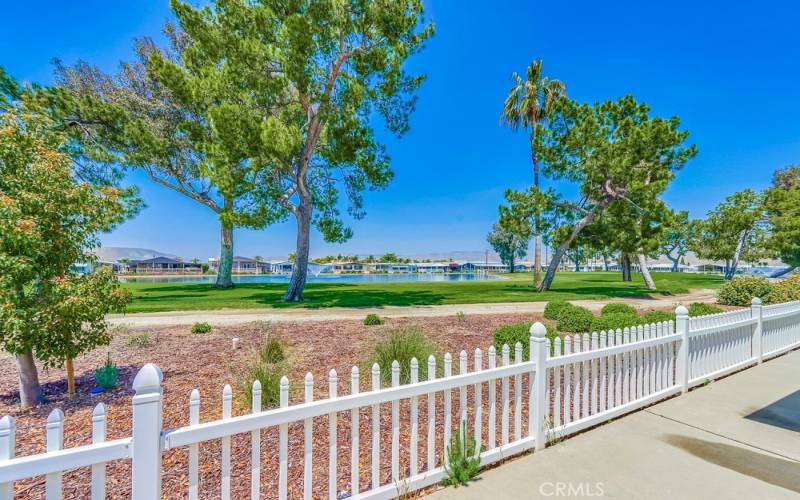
pixel 201 327
pixel 679 232
pixel 658 317
pixel 740 290
pixel 510 241
pixel 373 319
pixel 785 290
pixel 402 344
pixel 618 308
pixel 576 319
pixel 267 364
pixel 554 308
pixel 782 204
pixel 106 375
pixel 702 309
pixel 139 340
pixel 463 462
pixel 614 320
pixel 518 332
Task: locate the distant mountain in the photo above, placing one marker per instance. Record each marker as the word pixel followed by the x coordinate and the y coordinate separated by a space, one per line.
pixel 457 255
pixel 114 254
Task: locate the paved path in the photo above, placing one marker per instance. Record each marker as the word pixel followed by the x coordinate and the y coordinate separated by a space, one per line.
pixel 735 438
pixel 238 316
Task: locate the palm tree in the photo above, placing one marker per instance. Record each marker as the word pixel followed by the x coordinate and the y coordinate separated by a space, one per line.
pixel 528 104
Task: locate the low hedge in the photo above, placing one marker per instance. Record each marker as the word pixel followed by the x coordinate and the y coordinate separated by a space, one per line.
pixel 785 290
pixel 701 309
pixel 618 308
pixel 612 321
pixel 658 317
pixel 575 319
pixel 555 308
pixel 740 290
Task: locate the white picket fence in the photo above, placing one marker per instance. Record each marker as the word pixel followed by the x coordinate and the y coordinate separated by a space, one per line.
pixel 564 388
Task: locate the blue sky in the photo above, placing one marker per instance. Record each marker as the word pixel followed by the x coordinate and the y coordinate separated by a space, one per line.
pixel 729 70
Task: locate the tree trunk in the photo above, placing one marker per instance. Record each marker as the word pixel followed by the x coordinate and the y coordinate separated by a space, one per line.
pixel 562 249
pixel 605 263
pixel 577 262
pixel 70 378
pixel 731 271
pixel 537 222
pixel 30 392
pixel 675 261
pixel 648 280
pixel 626 267
pixel 300 270
pixel 224 279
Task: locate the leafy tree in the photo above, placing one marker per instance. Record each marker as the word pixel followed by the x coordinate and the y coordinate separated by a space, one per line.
pixel 782 205
pixel 188 118
pixel 732 230
pixel 509 243
pixel 617 154
pixel 48 221
pixel 336 65
pixel 676 239
pixel 390 257
pixel 529 104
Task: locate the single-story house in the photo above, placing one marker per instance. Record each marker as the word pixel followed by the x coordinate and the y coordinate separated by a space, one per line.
pixel 165 265
pixel 280 266
pixel 346 267
pixel 242 265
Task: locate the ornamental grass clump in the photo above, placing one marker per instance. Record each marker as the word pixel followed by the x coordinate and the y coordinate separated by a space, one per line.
pixel 463 462
pixel 106 376
pixel 373 320
pixel 267 364
pixel 402 344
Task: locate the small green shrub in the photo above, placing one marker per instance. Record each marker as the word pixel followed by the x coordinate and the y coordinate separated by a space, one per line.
pixel 463 462
pixel 658 317
pixel 139 340
pixel 785 290
pixel 517 332
pixel 461 316
pixel 554 308
pixel 618 308
pixel 576 320
pixel 612 321
pixel 106 375
pixel 202 327
pixel 266 363
pixel 740 290
pixel 402 344
pixel 701 309
pixel 373 319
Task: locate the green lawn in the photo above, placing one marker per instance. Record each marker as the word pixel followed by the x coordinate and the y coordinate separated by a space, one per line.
pixel 152 297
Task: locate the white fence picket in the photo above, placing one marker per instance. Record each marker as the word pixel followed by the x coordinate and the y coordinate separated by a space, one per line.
pixel 194 449
pixel 491 430
pixel 333 491
pixel 308 440
pixel 8 429
pixel 99 416
pixel 355 420
pixel 227 400
pixel 283 442
pixel 255 445
pixel 55 441
pixel 431 453
pixel 414 417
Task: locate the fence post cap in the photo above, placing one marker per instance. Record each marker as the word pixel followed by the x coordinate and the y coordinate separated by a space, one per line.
pixel 285 381
pixel 538 330
pixel 55 416
pixel 354 371
pixel 756 301
pixel 681 311
pixel 148 379
pixel 6 424
pixel 99 409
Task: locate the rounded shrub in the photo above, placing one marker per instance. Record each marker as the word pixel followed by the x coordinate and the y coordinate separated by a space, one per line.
pixel 785 290
pixel 740 290
pixel 576 320
pixel 657 317
pixel 701 309
pixel 201 328
pixel 618 308
pixel 372 320
pixel 517 332
pixel 554 308
pixel 612 321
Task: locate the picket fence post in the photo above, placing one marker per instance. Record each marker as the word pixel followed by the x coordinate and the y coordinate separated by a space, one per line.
pixel 682 363
pixel 147 415
pixel 756 311
pixel 539 386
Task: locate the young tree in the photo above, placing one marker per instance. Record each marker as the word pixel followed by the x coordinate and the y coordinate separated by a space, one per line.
pixel 509 242
pixel 186 117
pixel 782 204
pixel 529 104
pixel 732 230
pixel 48 221
pixel 678 234
pixel 617 154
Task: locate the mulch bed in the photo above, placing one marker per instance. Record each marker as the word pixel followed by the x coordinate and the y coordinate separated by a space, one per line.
pixel 207 362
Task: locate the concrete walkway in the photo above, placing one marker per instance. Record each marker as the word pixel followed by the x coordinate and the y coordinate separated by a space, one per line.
pixel 735 438
pixel 239 316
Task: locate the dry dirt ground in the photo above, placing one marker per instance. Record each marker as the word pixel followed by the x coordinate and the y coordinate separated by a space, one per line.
pixel 207 362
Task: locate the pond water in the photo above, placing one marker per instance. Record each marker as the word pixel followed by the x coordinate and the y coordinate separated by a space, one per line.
pixel 322 278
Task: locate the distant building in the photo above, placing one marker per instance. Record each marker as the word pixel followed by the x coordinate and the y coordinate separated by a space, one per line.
pixel 165 265
pixel 242 265
pixel 280 266
pixel 346 267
